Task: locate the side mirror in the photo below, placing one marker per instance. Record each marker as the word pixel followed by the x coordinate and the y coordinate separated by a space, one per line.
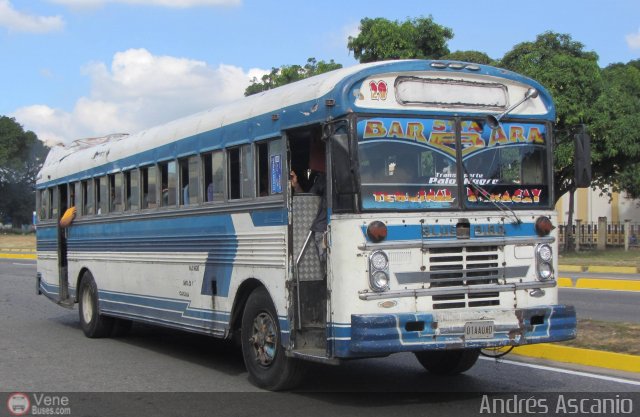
pixel 582 160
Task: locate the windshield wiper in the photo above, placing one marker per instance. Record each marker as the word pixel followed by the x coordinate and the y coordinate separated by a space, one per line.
pixel 508 211
pixel 494 121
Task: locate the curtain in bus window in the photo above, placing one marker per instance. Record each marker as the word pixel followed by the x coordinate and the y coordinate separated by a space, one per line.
pixel 407 164
pixel 507 164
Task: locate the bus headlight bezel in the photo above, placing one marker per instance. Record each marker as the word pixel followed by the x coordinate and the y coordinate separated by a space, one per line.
pixel 544 262
pixel 379 271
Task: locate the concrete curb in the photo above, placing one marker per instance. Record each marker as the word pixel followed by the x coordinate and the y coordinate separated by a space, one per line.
pixel 588 357
pixel 18 256
pixel 600 284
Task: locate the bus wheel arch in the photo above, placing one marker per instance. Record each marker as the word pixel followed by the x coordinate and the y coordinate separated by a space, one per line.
pixel 93 324
pixel 242 295
pixel 264 354
pixel 78 280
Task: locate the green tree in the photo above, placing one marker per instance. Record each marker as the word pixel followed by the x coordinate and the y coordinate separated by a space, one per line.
pixel 289 73
pixel 573 77
pixel 381 39
pixel 476 57
pixel 615 128
pixel 21 156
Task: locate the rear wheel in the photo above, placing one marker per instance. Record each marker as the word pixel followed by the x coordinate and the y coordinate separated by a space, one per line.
pixel 448 362
pixel 262 350
pixel 93 324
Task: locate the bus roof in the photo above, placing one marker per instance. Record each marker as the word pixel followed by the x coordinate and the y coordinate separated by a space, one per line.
pixel 260 116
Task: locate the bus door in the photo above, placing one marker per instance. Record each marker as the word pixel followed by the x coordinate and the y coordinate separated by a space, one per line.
pixel 63 272
pixel 309 292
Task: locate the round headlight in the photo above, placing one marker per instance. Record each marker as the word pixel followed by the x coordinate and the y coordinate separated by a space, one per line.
pixel 379 260
pixel 545 253
pixel 545 271
pixel 379 281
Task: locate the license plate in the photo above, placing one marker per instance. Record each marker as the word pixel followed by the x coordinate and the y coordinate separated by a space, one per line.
pixel 478 330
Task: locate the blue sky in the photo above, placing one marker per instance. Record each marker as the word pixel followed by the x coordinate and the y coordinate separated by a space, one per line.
pixel 80 68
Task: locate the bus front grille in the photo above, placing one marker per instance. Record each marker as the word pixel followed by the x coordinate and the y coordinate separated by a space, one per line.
pixel 464 267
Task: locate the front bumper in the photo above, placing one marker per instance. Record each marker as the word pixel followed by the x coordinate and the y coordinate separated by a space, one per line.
pixel 377 335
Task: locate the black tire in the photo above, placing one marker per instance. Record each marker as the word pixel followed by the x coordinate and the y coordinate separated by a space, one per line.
pixel 448 362
pixel 262 350
pixel 93 324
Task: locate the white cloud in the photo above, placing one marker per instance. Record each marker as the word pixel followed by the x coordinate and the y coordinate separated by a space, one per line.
pixel 17 21
pixel 162 3
pixel 633 40
pixel 137 91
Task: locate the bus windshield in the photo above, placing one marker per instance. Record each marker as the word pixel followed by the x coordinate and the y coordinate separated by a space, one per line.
pixel 411 164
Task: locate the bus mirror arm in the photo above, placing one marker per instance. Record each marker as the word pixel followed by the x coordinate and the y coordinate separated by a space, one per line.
pixel 494 121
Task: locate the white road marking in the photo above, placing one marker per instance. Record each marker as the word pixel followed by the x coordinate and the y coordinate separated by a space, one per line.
pixel 566 371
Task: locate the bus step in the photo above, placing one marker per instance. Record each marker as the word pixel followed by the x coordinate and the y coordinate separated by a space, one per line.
pixel 314 355
pixel 67 303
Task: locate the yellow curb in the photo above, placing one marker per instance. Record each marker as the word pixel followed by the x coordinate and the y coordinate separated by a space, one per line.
pixel 588 357
pixel 608 284
pixel 18 256
pixel 570 268
pixel 565 282
pixel 614 269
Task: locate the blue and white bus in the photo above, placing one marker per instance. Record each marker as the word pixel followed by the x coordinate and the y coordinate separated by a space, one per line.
pixel 438 205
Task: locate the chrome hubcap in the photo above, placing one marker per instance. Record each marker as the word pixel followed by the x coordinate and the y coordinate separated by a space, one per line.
pixel 87 306
pixel 263 339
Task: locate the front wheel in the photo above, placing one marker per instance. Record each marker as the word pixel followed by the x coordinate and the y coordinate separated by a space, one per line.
pixel 92 323
pixel 262 350
pixel 448 362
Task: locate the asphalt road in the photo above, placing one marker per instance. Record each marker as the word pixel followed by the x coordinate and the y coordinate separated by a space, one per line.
pixel 616 306
pixel 44 350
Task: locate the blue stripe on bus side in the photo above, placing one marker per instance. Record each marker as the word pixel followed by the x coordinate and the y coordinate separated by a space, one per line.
pixel 414 232
pixel 163 310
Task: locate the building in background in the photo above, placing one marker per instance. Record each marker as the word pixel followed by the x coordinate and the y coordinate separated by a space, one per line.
pixel 591 205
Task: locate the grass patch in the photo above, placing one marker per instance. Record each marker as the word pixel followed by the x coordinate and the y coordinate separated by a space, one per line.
pixel 18 241
pixel 609 257
pixel 607 336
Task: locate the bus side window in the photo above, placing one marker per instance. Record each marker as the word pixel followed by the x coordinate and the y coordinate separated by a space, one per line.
pixel 262 168
pixel 88 198
pixel 132 189
pixel 247 172
pixel 149 179
pixel 233 157
pixel 115 193
pixel 240 170
pixel 269 167
pixel 44 204
pixel 102 195
pixel 189 180
pixel 54 202
pixel 72 194
pixel 169 183
pixel 213 166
